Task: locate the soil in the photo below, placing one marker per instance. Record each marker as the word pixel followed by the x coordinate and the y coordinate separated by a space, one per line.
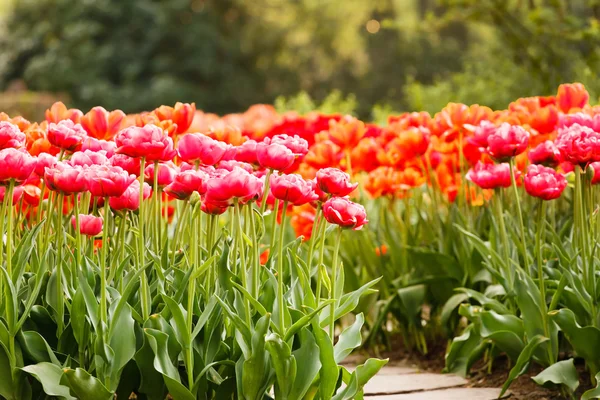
pixel 521 388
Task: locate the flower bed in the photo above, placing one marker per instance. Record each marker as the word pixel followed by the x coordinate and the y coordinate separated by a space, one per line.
pixel 143 257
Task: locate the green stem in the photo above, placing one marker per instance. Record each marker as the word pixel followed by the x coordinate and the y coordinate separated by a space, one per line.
pixel 323 228
pixel 315 229
pixel 256 254
pixel 274 223
pixel 103 301
pixel 77 236
pixel 242 254
pixel 332 295
pixel 519 215
pixel 503 236
pixel 280 300
pixel 540 271
pixel 141 248
pixel 59 245
pixel 263 205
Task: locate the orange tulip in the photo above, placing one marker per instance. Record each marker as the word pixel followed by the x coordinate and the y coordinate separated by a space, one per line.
pixel 58 112
pixel 302 220
pixel 182 115
pixel 101 124
pixel 323 154
pixel 346 132
pixel 228 134
pixel 571 96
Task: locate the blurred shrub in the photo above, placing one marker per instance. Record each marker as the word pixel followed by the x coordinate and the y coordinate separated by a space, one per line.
pixel 334 103
pixel 29 105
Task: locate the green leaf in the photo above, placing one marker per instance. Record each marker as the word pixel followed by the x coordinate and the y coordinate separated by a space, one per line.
pixel 253 369
pixel 36 347
pixel 464 348
pixel 348 302
pixel 329 373
pixel 562 373
pixel 162 363
pixel 307 357
pixel 123 343
pixel 305 320
pixel 79 323
pixel 90 302
pixel 351 389
pixel 23 252
pixel 85 386
pixel 585 340
pixel 486 302
pixel 450 306
pixel 7 384
pixel 179 318
pixel 152 382
pixel 593 393
pixel 49 375
pixel 523 361
pixel 349 339
pixel 368 370
pixel 284 364
pixel 506 331
pixel 10 303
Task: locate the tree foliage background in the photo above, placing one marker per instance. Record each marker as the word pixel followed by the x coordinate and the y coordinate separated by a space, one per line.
pixel 228 54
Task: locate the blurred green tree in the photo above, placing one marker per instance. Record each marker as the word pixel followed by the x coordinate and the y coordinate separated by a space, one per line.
pixel 228 54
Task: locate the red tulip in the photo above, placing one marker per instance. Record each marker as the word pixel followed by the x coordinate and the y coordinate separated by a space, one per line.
pixel 15 165
pixel 101 124
pixel 93 144
pixel 507 141
pixel 293 189
pixel 186 183
pixel 237 184
pixel 44 160
pixel 58 112
pixel 130 164
pixel 66 135
pixel 596 167
pixel 130 199
pixel 544 182
pixel 246 152
pixel 11 135
pixel 274 156
pixel 66 179
pixel 490 176
pixel 17 194
pixel 571 95
pixel 482 132
pixel 545 153
pixel 578 145
pixel 213 208
pixel 335 182
pixel 166 174
pixel 31 194
pixel 107 180
pixel 149 141
pixel 345 213
pixel 196 147
pixel 88 157
pixel 88 224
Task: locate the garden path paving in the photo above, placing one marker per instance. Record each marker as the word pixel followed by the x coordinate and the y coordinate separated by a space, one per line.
pixel 401 382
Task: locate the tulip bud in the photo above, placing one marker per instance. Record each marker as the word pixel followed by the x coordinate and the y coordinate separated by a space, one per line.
pixel 590 172
pixel 194 199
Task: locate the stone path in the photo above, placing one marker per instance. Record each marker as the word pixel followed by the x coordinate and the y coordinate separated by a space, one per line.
pixel 399 382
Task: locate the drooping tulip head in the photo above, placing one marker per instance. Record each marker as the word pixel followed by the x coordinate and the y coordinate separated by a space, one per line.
pixel 345 213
